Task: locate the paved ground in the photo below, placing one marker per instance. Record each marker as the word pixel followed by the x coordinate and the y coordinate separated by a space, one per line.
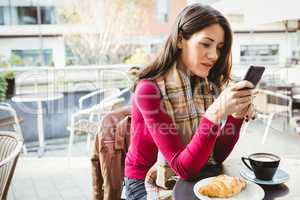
pixel 53 176
pixel 58 177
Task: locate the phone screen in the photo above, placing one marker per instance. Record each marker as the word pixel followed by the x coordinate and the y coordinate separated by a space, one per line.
pixel 254 74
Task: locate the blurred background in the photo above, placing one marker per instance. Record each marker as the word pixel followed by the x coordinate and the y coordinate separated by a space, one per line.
pixel 55 54
pixel 58 34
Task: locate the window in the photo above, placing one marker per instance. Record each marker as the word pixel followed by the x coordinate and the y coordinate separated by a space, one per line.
pixel 295 58
pixel 162 11
pixel 47 15
pixel 259 54
pixel 27 15
pixel 33 57
pixel 72 58
pixel 1 15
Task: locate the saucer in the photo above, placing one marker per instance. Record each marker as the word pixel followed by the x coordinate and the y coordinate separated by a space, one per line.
pixel 279 177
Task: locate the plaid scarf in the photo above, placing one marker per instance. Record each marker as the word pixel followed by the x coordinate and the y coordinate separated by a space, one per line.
pixel 186 106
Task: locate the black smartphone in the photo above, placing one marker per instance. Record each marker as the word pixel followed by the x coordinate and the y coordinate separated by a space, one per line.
pixel 254 74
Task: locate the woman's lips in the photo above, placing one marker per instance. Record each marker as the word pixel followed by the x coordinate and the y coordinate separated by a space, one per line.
pixel 207 65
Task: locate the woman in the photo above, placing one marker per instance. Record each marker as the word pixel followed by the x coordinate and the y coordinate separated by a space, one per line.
pixel 178 104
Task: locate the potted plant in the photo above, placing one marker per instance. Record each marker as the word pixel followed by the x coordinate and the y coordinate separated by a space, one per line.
pixel 3 88
pixel 10 80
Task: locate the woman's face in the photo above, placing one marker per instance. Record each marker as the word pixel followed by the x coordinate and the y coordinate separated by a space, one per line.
pixel 201 51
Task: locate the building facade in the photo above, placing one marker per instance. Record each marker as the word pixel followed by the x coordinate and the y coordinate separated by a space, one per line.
pixel 32 31
pixel 28 33
pixel 32 34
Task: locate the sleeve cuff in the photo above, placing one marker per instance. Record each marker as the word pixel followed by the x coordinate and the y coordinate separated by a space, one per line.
pixel 209 126
pixel 236 121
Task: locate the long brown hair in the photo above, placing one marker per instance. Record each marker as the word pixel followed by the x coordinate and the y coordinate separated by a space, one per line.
pixel 192 19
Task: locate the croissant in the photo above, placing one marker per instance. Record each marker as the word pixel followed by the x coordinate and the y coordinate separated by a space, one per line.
pixel 223 186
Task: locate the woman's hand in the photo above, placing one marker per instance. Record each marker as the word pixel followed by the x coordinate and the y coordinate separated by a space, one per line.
pixel 247 113
pixel 233 100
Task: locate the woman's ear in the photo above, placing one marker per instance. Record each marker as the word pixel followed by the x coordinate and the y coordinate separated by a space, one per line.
pixel 179 43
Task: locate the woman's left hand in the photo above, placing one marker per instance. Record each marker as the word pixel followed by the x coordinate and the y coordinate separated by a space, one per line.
pixel 247 113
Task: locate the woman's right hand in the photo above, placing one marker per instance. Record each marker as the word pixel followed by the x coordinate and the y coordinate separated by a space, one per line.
pixel 232 100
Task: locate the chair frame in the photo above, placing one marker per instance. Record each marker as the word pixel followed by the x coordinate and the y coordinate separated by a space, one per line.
pixel 13 157
pixel 8 108
pixel 92 112
pixel 270 116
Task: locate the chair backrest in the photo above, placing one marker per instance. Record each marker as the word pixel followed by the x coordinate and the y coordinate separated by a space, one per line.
pixel 110 93
pixel 115 103
pixel 5 107
pixel 104 94
pixel 271 102
pixel 114 95
pixel 10 148
pixel 12 119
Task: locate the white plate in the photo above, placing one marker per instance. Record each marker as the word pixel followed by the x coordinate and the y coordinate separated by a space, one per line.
pixel 251 192
pixel 279 177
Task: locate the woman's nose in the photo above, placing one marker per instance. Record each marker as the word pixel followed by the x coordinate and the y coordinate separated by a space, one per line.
pixel 213 54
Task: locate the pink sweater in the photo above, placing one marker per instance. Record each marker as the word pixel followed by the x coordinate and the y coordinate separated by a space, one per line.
pixel 150 133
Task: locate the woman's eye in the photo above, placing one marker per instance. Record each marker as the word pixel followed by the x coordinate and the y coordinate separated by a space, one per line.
pixel 205 44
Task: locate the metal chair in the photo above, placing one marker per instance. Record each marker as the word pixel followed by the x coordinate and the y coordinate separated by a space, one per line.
pixel 10 148
pixel 87 120
pixel 268 104
pixel 12 120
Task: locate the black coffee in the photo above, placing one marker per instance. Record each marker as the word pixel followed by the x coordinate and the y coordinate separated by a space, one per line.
pixel 264 158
